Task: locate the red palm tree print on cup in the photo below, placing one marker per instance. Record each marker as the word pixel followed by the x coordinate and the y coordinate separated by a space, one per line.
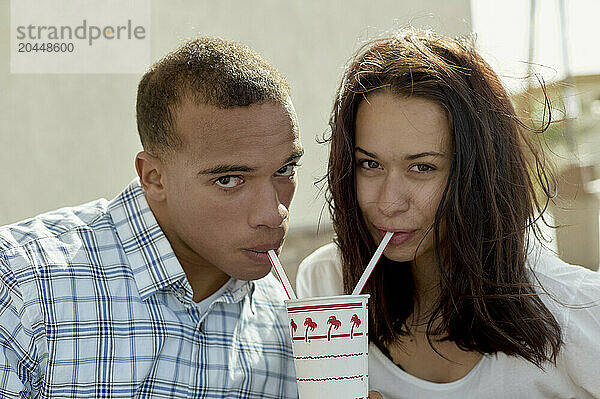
pixel 294 326
pixel 333 322
pixel 309 325
pixel 355 323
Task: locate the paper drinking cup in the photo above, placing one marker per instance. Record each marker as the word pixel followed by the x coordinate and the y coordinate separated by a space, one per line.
pixel 330 343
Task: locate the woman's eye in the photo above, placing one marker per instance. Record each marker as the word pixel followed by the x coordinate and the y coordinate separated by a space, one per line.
pixel 422 168
pixel 287 170
pixel 370 164
pixel 229 181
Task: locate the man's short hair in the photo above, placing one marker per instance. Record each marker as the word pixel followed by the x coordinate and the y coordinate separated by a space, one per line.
pixel 209 71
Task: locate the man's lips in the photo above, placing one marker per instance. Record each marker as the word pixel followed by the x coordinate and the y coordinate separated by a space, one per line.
pixel 267 247
pixel 259 253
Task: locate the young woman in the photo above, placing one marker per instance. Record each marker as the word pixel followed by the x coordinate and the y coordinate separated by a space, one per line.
pixel 425 143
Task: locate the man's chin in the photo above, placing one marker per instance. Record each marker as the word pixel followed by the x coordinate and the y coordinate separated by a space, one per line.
pixel 248 271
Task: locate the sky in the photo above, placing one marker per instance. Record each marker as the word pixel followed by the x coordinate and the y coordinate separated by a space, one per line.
pixel 502 29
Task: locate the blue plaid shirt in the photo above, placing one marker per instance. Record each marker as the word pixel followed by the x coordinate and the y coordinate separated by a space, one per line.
pixel 94 304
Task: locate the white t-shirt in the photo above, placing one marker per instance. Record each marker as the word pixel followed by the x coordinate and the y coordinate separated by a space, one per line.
pixel 576 375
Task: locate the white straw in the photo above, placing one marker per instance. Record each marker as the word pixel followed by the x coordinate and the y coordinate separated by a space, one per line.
pixel 365 276
pixel 287 287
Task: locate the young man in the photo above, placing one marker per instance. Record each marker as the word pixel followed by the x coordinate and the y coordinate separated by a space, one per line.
pixel 165 291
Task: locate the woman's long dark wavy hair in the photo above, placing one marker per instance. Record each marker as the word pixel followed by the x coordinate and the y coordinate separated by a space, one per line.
pixel 488 301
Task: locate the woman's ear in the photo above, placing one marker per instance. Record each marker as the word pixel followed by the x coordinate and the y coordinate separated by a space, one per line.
pixel 150 169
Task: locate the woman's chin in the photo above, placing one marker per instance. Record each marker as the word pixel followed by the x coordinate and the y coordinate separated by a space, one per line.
pixel 399 255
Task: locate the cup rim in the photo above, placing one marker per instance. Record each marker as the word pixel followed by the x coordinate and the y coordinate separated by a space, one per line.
pixel 325 298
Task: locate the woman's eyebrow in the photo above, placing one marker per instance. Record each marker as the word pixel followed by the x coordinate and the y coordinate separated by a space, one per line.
pixel 425 154
pixel 367 153
pixel 408 157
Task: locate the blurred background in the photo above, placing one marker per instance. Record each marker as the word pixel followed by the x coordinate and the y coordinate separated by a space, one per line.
pixel 67 139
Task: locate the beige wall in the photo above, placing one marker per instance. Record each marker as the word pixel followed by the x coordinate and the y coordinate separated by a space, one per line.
pixel 68 139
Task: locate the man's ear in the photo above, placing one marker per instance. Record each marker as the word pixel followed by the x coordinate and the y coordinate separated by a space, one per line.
pixel 150 169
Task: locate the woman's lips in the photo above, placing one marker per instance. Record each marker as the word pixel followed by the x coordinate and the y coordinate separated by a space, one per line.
pixel 399 236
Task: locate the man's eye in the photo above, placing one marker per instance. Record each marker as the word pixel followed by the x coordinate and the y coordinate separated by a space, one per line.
pixel 229 181
pixel 287 170
pixel 422 167
pixel 370 164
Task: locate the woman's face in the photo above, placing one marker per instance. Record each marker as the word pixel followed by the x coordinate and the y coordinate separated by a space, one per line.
pixel 402 158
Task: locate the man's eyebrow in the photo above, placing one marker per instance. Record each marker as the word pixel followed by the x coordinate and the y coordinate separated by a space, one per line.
pixel 232 168
pixel 226 168
pixel 295 155
pixel 408 157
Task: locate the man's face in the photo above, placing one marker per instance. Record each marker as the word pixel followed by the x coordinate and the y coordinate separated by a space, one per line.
pixel 228 190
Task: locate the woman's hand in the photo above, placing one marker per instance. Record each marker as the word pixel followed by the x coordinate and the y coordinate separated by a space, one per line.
pixel 375 395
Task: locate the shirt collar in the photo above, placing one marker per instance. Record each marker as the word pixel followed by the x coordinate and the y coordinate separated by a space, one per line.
pixel 148 251
pixel 237 290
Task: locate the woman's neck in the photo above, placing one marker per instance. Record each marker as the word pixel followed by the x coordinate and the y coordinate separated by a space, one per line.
pixel 426 276
pixel 414 353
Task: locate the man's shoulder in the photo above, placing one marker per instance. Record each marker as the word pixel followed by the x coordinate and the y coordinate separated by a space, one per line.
pixel 53 225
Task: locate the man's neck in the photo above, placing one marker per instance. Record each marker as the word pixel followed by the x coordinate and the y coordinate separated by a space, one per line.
pixel 205 280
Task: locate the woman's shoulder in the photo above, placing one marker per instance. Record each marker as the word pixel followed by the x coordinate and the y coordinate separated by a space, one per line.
pixel 320 273
pixel 328 253
pixel 563 281
pixel 572 294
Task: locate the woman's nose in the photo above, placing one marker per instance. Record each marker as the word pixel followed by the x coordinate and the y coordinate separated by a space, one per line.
pixel 393 196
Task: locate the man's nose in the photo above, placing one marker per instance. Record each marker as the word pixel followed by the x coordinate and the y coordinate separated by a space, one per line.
pixel 393 196
pixel 267 209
